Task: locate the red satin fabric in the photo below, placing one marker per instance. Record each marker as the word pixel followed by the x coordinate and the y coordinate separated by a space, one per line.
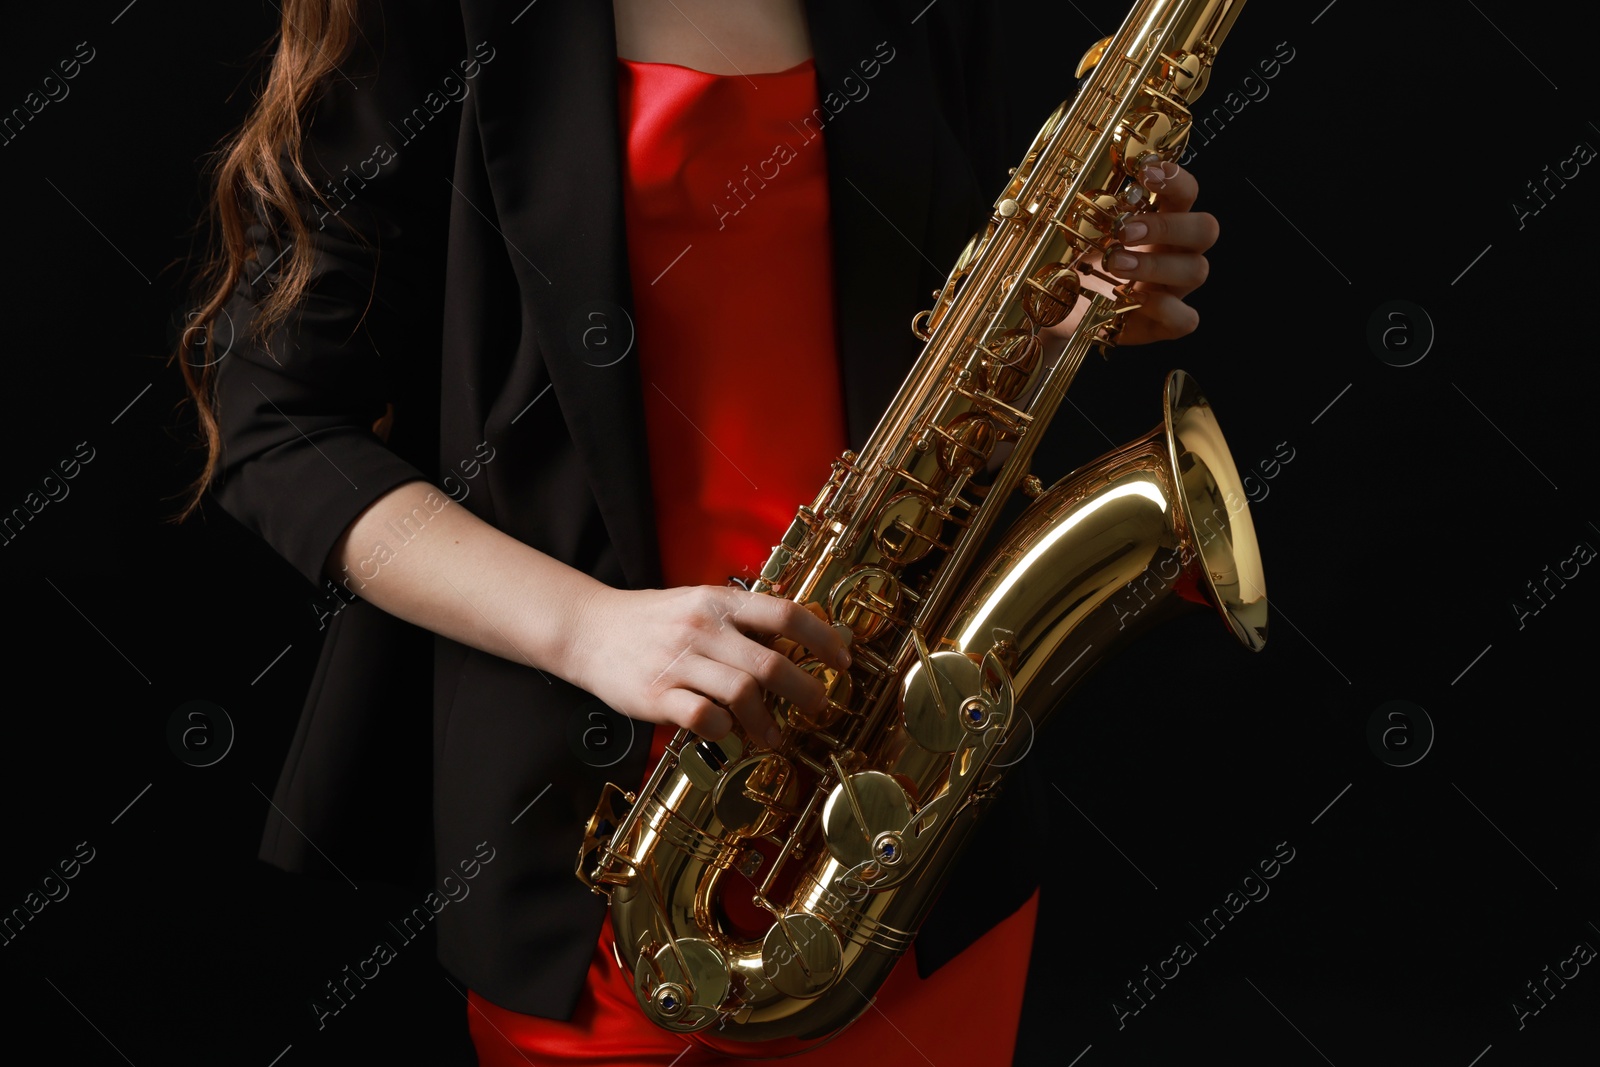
pixel 726 195
pixel 727 212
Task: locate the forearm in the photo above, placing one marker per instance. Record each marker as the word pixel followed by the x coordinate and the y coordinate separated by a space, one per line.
pixel 420 556
pixel 679 655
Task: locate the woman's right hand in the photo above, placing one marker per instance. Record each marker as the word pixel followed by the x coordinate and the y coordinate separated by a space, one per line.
pixel 691 655
pixel 687 656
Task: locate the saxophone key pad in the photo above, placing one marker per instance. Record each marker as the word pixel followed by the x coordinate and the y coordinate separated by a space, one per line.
pixel 800 955
pixel 854 830
pixel 750 797
pixel 838 690
pixel 934 704
pixel 865 600
pixel 680 1001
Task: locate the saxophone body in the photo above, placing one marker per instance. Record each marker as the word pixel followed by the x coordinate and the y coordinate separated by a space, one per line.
pixel 842 836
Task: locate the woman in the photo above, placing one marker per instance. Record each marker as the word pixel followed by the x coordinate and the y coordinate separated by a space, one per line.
pixel 485 295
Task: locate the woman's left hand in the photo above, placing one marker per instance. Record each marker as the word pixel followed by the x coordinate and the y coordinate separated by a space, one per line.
pixel 1164 255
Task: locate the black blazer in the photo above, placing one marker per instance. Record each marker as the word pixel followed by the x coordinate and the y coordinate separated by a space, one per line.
pixel 475 152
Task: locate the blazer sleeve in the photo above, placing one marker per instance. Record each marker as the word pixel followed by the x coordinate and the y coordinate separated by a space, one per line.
pixel 297 410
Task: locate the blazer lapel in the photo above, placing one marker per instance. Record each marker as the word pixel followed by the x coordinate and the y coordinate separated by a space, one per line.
pixel 548 121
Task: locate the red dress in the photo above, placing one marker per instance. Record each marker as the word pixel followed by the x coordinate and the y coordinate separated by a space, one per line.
pixel 726 194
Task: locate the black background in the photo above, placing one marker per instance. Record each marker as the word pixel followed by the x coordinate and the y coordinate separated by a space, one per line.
pixel 1381 163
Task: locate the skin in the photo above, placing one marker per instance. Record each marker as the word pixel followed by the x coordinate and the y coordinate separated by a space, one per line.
pixel 695 657
pixel 747 37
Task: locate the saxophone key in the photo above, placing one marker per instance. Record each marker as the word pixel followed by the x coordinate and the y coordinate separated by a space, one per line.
pixel 684 986
pixel 1012 356
pixel 969 440
pixel 865 600
pixel 866 812
pixel 838 690
pixel 908 528
pixel 754 796
pixel 934 692
pixel 702 761
pixel 801 955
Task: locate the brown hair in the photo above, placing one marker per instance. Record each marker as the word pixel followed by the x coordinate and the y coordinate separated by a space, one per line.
pixel 255 172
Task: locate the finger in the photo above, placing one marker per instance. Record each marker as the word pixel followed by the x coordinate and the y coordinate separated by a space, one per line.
pixel 736 690
pixel 1179 272
pixel 1176 187
pixel 1161 317
pixel 696 713
pixel 766 614
pixel 786 646
pixel 775 672
pixel 1190 231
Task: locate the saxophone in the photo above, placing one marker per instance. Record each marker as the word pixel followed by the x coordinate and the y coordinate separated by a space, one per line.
pixel 848 828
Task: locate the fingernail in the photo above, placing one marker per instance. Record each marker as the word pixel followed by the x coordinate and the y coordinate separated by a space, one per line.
pixel 1133 231
pixel 1170 169
pixel 844 654
pixel 1121 261
pixel 1154 177
pixel 774 737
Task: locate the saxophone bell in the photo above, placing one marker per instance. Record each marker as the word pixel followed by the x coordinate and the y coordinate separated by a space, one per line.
pixel 1151 530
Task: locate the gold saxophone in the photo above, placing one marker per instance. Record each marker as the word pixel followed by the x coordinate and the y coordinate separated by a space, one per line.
pixel 849 827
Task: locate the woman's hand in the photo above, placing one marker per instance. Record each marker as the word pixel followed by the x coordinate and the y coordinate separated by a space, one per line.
pixel 1164 255
pixel 689 656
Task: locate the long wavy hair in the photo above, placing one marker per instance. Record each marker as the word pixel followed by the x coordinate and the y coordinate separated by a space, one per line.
pixel 253 177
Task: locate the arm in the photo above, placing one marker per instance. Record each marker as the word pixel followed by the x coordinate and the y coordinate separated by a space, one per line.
pixel 652 654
